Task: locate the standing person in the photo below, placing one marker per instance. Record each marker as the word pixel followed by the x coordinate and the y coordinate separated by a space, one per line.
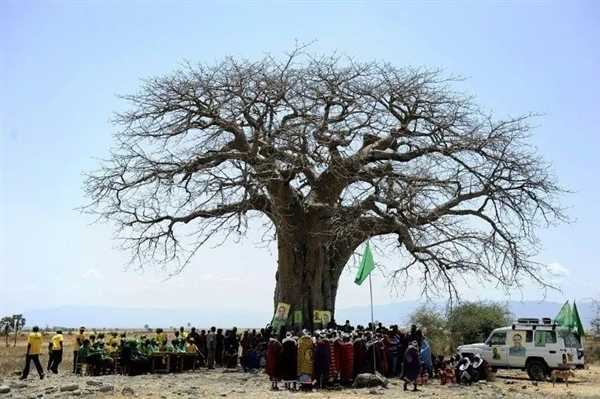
pixel 306 351
pixel 34 348
pixel 346 358
pixel 220 347
pixel 392 346
pixel 360 355
pixel 201 342
pixel 273 366
pixel 412 365
pixel 289 361
pixel 425 355
pixel 78 344
pixel 56 352
pixel 322 360
pixel 334 361
pixel 245 344
pixel 193 336
pixel 403 339
pixel 49 355
pixel 211 347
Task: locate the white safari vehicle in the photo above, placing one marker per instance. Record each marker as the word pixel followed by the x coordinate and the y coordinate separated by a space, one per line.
pixel 528 344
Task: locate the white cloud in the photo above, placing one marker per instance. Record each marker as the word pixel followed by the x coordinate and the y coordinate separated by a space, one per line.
pixel 557 270
pixel 92 274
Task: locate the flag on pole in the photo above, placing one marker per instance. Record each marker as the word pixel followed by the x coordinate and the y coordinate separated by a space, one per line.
pixel 366 266
pixel 577 321
pixel 563 318
pixel 568 317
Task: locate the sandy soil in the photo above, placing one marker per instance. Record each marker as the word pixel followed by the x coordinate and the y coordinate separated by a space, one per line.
pixel 216 383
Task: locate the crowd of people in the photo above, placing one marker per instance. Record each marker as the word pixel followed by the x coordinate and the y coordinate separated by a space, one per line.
pixel 336 356
pixel 297 358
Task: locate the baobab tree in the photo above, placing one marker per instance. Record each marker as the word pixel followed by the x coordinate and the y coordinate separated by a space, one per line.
pixel 331 153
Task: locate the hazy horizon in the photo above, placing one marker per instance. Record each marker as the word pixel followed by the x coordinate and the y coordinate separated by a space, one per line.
pixel 63 65
pixel 73 316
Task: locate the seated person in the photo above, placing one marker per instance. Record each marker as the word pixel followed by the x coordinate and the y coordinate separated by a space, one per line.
pixel 464 371
pixel 438 366
pixel 84 350
pixel 148 346
pixel 133 360
pixel 113 347
pixel 92 355
pixel 160 339
pixel 480 368
pixel 447 373
pixel 178 343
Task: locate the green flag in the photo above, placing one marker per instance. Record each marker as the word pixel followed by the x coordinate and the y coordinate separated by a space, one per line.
pixel 577 326
pixel 366 266
pixel 563 318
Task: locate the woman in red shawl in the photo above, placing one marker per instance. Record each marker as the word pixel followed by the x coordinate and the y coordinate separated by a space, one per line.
pixel 360 356
pixel 346 359
pixel 333 359
pixel 272 366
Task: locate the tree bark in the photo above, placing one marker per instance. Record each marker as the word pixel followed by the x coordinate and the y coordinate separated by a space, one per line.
pixel 309 268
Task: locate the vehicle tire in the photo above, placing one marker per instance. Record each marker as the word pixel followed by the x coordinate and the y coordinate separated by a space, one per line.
pixel 536 369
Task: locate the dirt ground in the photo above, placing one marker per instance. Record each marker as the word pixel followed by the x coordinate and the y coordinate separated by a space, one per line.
pixel 217 383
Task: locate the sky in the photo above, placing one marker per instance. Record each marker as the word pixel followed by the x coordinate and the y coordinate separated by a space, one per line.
pixel 64 63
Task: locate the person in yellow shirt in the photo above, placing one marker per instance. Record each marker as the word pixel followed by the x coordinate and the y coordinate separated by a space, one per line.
pixel 160 338
pixel 79 339
pixel 182 333
pixel 112 345
pixel 56 352
pixel 34 348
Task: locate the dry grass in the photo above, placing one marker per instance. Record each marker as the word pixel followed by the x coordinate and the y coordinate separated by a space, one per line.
pixel 12 358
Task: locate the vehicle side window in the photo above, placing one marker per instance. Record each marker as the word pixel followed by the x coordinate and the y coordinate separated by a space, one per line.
pixel 498 338
pixel 545 337
pixel 570 340
pixel 529 336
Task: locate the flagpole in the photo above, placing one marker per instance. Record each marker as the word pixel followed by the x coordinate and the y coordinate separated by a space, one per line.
pixel 373 326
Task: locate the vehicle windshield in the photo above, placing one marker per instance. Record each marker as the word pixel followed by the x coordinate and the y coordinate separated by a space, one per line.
pixel 496 338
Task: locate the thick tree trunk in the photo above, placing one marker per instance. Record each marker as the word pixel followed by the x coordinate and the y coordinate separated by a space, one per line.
pixel 309 267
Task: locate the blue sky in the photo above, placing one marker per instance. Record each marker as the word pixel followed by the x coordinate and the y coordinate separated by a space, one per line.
pixel 64 63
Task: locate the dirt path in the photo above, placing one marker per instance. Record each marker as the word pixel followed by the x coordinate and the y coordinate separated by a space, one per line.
pixel 204 383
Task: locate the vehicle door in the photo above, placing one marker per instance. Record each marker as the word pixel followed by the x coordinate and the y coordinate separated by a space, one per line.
pixel 571 346
pixel 548 346
pixel 517 350
pixel 497 354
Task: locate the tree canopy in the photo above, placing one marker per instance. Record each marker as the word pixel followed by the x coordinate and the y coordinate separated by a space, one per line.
pixel 473 322
pixel 330 152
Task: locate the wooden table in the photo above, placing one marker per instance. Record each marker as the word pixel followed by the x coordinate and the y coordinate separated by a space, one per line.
pixel 177 359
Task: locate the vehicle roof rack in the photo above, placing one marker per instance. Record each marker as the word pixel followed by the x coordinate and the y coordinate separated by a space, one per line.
pixel 534 322
pixel 528 320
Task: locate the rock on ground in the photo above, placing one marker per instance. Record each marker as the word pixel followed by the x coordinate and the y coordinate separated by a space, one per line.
pixel 367 380
pixel 69 388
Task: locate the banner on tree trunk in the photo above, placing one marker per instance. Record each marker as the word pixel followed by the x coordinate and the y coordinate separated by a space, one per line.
pixel 317 319
pixel 325 318
pixel 281 315
pixel 321 318
pixel 298 318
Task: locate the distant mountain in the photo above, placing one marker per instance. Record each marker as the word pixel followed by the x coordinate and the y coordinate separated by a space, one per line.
pixel 394 313
pixel 399 313
pixel 100 316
